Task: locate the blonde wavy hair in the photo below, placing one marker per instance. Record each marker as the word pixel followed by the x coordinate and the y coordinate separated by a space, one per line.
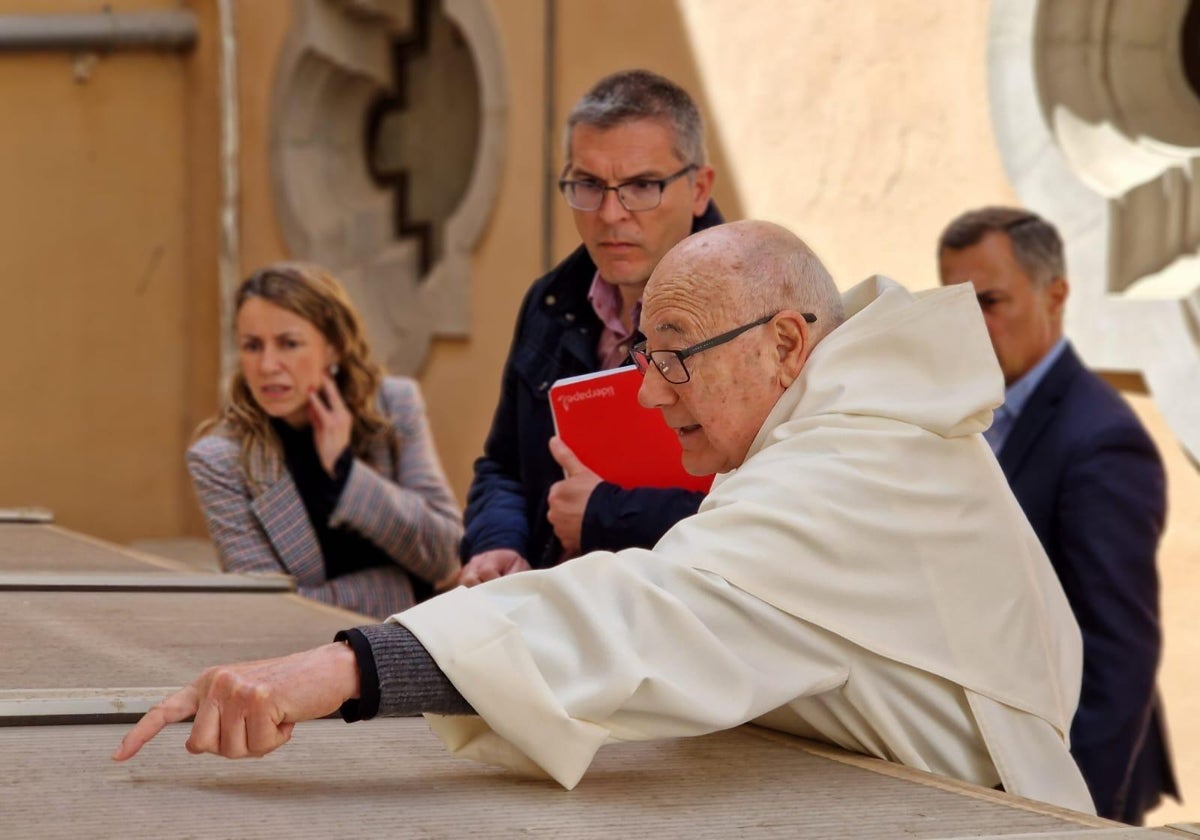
pixel 312 293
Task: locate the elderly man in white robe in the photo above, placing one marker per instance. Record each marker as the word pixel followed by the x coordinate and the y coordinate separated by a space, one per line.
pixel 860 573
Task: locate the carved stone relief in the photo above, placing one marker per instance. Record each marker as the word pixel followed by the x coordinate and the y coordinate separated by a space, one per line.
pixel 366 93
pixel 1096 112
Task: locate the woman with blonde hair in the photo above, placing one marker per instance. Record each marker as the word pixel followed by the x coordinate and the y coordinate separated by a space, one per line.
pixel 318 465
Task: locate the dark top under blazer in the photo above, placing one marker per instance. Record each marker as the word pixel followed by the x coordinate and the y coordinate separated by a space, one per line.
pixel 1091 482
pixel 556 336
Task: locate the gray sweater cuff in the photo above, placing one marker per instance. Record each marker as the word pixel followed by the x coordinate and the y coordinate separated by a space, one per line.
pixel 410 682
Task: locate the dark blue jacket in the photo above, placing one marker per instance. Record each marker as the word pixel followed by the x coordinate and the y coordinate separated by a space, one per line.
pixel 1092 485
pixel 556 336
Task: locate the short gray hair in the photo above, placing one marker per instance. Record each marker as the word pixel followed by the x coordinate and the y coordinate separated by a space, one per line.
pixel 642 95
pixel 1035 242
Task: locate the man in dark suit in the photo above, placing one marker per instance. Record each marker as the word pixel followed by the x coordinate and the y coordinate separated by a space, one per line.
pixel 1092 485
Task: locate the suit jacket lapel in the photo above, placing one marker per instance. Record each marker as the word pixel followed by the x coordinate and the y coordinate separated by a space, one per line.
pixel 1038 411
pixel 281 512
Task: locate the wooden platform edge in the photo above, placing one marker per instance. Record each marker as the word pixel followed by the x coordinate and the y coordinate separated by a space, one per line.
pixel 150 581
pixel 354 619
pixel 23 707
pixel 146 557
pixel 908 774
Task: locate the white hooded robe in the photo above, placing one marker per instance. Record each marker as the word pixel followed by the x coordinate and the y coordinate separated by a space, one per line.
pixel 865 578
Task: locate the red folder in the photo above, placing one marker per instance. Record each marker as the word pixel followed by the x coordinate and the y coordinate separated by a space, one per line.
pixel 599 417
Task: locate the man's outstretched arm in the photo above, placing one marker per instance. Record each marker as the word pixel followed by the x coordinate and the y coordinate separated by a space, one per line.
pixel 250 709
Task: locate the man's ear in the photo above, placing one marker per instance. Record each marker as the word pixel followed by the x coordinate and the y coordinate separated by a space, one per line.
pixel 793 343
pixel 702 184
pixel 1057 292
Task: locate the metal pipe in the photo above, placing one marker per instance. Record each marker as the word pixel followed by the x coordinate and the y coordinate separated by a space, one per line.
pixel 229 258
pixel 161 30
pixel 549 129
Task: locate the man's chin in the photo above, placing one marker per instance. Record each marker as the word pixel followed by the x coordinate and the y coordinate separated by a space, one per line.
pixel 622 273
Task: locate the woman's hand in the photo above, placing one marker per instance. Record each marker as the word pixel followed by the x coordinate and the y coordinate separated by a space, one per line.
pixel 331 422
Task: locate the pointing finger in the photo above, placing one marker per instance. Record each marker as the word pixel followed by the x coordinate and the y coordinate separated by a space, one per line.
pixel 177 707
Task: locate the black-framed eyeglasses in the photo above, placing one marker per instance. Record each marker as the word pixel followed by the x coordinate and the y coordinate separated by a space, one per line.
pixel 635 195
pixel 670 362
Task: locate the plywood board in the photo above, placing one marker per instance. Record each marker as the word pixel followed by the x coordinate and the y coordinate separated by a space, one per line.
pixel 151 581
pixel 49 548
pixel 393 778
pixel 116 644
pixel 26 514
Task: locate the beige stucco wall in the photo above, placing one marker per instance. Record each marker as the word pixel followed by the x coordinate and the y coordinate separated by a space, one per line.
pixel 97 279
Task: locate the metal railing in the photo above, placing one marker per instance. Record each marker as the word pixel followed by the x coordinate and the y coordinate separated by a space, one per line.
pixel 173 31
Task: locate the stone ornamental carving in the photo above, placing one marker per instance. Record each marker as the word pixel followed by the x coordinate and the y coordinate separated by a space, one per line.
pixel 364 90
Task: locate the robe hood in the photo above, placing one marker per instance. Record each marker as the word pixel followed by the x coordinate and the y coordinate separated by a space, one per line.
pixel 912 543
pixel 939 372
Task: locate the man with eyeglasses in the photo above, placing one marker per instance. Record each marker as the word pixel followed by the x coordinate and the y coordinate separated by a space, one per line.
pixel 637 183
pixel 1091 482
pixel 858 574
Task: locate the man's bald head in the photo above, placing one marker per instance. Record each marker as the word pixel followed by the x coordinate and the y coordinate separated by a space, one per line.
pixel 748 269
pixel 724 316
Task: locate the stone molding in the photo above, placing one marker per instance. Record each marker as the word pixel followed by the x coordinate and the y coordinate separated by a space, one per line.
pixel 335 63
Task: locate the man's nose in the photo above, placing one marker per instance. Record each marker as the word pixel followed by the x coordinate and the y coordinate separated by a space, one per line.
pixel 655 391
pixel 611 209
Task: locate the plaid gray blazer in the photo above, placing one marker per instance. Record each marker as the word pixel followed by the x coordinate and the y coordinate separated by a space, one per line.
pixel 404 506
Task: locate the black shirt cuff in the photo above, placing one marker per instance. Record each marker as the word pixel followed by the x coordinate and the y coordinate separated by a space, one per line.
pixel 341 468
pixel 333 485
pixel 366 705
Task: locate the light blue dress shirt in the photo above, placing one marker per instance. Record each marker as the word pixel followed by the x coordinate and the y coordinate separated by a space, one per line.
pixel 1016 395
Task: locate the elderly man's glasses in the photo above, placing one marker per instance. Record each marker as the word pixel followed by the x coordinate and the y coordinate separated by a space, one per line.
pixel 635 195
pixel 670 362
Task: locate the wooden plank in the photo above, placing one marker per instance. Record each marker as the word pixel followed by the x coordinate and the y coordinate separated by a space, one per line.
pixel 901 772
pixel 49 548
pixel 393 778
pixel 1124 833
pixel 78 706
pixel 143 582
pixel 65 641
pixel 26 514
